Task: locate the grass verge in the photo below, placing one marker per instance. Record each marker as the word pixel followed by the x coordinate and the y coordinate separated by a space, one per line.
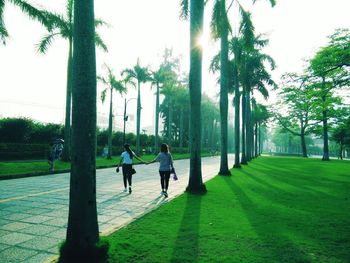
pixel 18 169
pixel 277 209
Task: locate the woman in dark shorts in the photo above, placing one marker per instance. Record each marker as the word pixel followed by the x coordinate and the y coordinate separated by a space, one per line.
pixel 126 159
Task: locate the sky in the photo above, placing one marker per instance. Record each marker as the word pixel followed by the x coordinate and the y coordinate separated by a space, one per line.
pixel 34 85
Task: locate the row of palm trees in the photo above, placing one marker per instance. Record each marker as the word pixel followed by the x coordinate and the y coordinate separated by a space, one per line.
pixel 82 231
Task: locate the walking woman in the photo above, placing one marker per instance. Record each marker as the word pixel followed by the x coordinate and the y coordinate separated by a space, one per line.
pixel 165 166
pixel 126 159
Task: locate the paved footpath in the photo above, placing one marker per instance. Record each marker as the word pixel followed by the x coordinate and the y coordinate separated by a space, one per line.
pixel 34 210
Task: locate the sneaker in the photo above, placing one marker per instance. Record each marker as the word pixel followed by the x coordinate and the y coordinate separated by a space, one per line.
pixel 165 194
pixel 125 190
pixel 162 192
pixel 130 190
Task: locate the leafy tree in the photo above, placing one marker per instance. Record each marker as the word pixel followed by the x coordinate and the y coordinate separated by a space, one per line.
pixel 196 11
pixel 112 84
pixel 16 130
pixel 341 136
pixel 62 26
pixel 330 66
pixel 141 75
pixel 82 230
pixel 297 95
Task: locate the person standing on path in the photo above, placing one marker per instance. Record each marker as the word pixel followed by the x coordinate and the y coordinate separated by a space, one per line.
pixel 56 151
pixel 128 171
pixel 165 167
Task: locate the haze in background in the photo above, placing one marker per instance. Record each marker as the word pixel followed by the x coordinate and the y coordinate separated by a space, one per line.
pixel 34 85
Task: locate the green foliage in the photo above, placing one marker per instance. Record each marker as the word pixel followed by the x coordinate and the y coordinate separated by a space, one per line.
pixel 23 151
pixel 24 130
pixel 274 210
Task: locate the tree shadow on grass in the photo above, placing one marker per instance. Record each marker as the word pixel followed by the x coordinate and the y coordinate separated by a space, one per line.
pixel 272 240
pixel 186 243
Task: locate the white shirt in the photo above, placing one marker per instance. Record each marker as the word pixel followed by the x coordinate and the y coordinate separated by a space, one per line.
pixel 126 158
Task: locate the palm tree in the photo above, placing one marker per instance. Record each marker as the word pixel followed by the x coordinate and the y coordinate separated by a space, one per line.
pixel 82 230
pixel 220 27
pixel 196 11
pixel 28 9
pixel 63 27
pixel 141 75
pixel 112 85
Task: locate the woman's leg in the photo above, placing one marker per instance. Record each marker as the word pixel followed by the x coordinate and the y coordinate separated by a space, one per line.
pixel 167 177
pixel 162 180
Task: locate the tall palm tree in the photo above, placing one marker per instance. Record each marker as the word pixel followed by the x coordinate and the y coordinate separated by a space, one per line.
pixel 220 27
pixel 141 75
pixel 112 84
pixel 63 27
pixel 82 230
pixel 195 10
pixel 158 78
pixel 28 9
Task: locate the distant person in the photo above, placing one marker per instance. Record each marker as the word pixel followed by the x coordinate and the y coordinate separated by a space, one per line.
pixel 56 151
pixel 126 159
pixel 165 167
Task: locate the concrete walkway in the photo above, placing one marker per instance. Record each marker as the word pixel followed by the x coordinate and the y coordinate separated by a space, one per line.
pixel 34 211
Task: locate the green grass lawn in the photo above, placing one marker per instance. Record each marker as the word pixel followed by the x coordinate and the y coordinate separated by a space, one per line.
pixel 276 209
pixel 41 166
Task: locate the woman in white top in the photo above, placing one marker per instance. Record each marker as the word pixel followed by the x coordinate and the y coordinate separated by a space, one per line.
pixel 165 166
pixel 126 159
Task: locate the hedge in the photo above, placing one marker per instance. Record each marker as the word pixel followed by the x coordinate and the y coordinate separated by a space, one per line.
pixel 18 151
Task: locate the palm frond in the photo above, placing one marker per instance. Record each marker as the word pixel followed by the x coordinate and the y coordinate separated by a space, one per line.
pixel 69 10
pixel 99 42
pixel 215 63
pixel 184 9
pixel 100 22
pixel 3 32
pixel 216 20
pixel 272 2
pixel 247 29
pixel 45 42
pixel 55 20
pixel 31 11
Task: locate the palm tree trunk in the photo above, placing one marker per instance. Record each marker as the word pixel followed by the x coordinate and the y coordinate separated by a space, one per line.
pixel 82 231
pixel 170 122
pixel 237 121
pixel 256 140
pixel 195 183
pixel 224 94
pixel 110 124
pixel 243 157
pixel 157 121
pixel 67 126
pixel 260 142
pixel 181 128
pixel 138 118
pixel 248 128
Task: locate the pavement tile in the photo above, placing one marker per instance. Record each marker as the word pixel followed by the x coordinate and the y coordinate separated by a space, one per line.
pixel 3 247
pixel 39 243
pixel 13 226
pixel 39 258
pixel 37 219
pixel 39 230
pixel 15 238
pixel 38 211
pixel 16 254
pixel 59 234
pixel 16 216
pixel 4 232
pixel 60 222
